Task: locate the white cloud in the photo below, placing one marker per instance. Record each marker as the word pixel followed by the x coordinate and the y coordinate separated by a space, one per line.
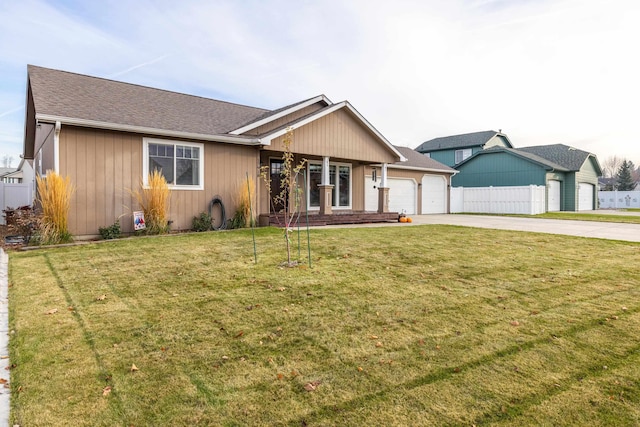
pixel 561 71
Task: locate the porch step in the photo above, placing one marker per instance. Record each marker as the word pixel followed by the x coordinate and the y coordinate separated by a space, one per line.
pixel 315 219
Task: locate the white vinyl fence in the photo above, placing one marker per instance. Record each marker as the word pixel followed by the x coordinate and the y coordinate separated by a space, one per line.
pixel 618 199
pixel 529 200
pixel 14 196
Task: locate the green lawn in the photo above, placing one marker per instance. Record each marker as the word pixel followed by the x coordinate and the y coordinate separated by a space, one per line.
pixel 421 325
pixel 581 216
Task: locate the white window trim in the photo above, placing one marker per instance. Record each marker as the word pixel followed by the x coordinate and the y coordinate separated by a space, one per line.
pixel 465 153
pixel 145 162
pixel 337 165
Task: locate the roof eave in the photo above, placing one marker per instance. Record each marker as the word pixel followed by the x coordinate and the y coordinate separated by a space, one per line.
pixel 418 168
pixel 266 139
pixel 280 114
pixel 231 139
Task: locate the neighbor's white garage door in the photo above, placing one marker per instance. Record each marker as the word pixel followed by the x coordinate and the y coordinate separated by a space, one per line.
pixel 585 197
pixel 434 194
pixel 402 195
pixel 554 196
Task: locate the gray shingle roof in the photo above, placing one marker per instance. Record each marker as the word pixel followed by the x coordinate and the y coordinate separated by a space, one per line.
pixel 420 161
pixel 70 95
pixel 565 156
pixel 457 141
pixel 518 152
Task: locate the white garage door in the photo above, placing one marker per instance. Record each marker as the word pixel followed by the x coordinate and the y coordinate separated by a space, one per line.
pixel 434 194
pixel 554 196
pixel 585 197
pixel 402 195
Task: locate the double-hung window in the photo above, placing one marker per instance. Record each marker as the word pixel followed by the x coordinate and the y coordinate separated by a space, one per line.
pixel 181 163
pixel 462 155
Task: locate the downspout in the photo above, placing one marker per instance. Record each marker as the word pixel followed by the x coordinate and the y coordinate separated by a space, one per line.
pixel 56 148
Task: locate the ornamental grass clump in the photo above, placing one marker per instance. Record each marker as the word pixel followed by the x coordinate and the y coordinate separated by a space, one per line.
pixel 154 201
pixel 245 199
pixel 54 199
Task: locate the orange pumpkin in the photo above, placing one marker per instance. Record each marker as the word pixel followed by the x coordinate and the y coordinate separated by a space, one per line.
pixel 402 219
pixel 409 219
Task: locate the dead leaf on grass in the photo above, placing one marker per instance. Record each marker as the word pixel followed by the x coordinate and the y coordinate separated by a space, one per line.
pixel 312 386
pixel 3 381
pixel 106 390
pixel 101 297
pixel 239 334
pixel 52 311
pixel 134 367
pixel 378 344
pixel 373 337
pixel 515 323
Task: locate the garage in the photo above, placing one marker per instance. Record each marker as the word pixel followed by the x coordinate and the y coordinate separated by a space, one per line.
pixel 434 194
pixel 402 195
pixel 585 196
pixel 553 204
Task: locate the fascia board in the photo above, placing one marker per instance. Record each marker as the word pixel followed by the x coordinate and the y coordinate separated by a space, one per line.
pixel 280 115
pixel 266 140
pixel 417 168
pixel 147 130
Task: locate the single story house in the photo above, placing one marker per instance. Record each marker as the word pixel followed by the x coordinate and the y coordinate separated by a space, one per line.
pixel 452 150
pixel 570 175
pixel 107 136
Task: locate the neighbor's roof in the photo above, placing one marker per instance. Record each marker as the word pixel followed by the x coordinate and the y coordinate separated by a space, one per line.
pixel 419 161
pixel 567 157
pixel 547 164
pixel 68 95
pixel 474 139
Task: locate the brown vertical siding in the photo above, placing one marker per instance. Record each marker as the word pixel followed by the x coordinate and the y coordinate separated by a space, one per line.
pixel 340 136
pixel 105 167
pixel 286 119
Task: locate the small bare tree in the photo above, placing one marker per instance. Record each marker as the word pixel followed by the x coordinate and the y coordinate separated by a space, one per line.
pixel 611 166
pixel 288 199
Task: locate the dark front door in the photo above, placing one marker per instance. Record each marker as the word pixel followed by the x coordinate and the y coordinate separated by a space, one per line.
pixel 275 168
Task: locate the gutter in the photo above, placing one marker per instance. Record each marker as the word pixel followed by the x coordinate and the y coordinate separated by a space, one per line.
pixel 240 140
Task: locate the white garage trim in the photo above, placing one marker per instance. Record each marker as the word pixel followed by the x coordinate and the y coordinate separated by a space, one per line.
pixel 434 194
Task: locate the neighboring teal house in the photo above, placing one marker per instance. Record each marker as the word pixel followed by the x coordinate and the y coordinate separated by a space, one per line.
pixel 569 174
pixel 453 150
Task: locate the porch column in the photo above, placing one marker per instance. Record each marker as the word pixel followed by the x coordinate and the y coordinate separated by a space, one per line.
pixel 383 191
pixel 326 189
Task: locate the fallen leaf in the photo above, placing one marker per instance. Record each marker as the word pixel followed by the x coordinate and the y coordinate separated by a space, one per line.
pixel 134 368
pixel 3 381
pixel 373 337
pixel 360 368
pixel 624 308
pixel 312 386
pixel 101 297
pixel 280 376
pixel 106 390
pixel 52 311
pixel 515 323
pixel 378 344
pixel 282 289
pixel 239 334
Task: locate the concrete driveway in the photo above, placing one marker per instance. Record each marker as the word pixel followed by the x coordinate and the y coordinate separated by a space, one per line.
pixel 599 230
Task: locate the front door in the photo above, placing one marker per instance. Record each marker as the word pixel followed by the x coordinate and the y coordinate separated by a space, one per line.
pixel 275 170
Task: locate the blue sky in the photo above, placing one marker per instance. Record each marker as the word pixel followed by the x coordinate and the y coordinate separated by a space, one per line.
pixel 545 72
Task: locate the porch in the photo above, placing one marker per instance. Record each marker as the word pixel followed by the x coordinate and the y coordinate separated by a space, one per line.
pixel 317 219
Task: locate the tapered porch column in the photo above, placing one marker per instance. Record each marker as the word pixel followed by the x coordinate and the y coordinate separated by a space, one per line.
pixel 326 189
pixel 383 191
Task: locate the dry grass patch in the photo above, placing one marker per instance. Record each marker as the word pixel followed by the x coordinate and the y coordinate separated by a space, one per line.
pixel 426 325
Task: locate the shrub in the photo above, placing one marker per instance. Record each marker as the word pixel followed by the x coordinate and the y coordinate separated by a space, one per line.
pixel 245 201
pixel 54 198
pixel 201 222
pixel 110 232
pixel 154 201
